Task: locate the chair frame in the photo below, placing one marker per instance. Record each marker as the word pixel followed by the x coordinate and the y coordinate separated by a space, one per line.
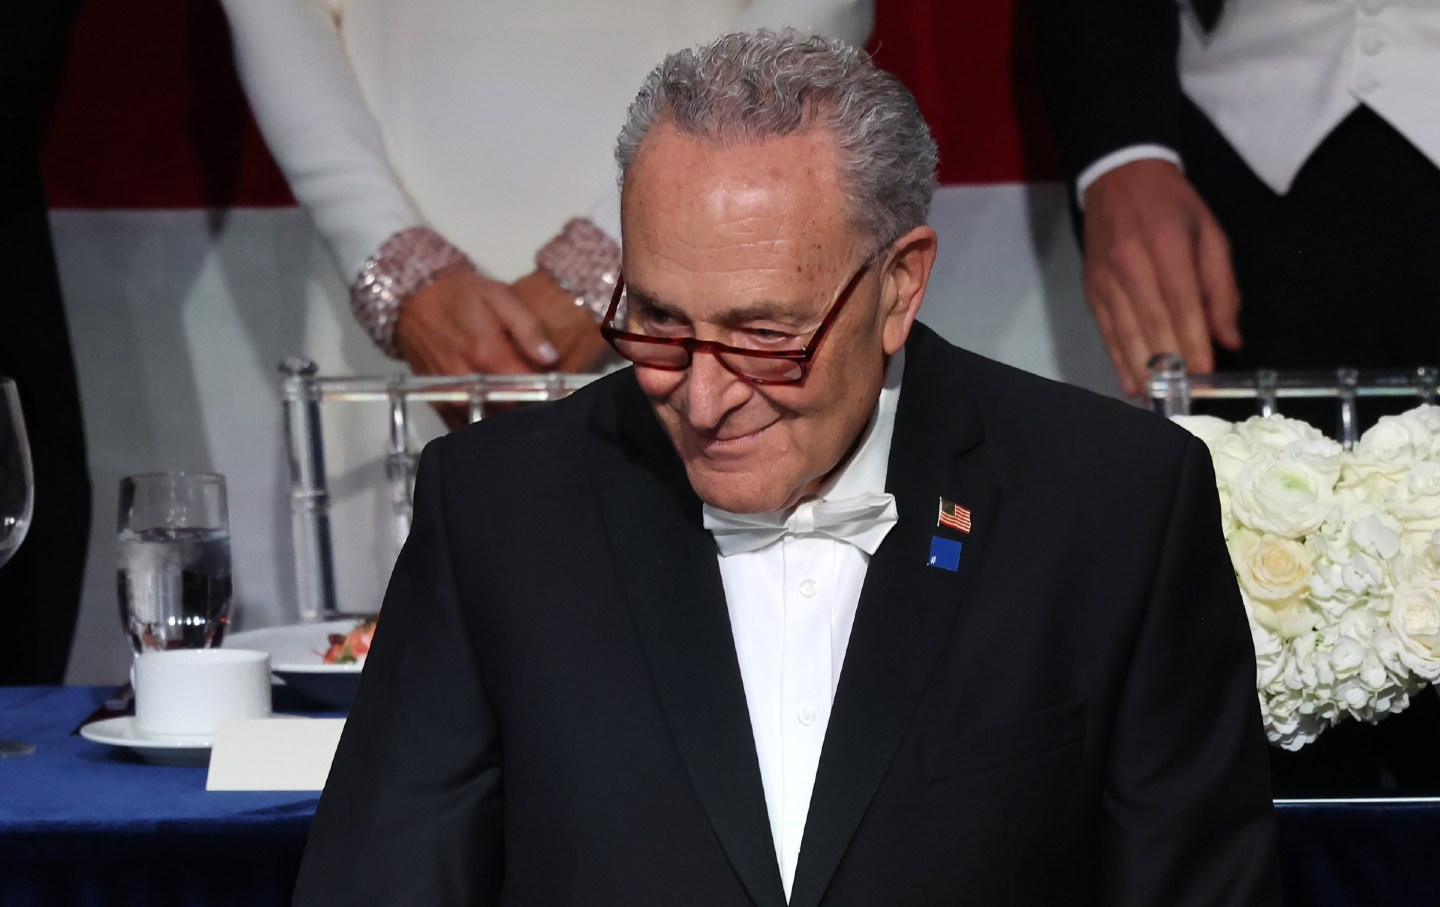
pixel 1170 393
pixel 302 390
pixel 1170 389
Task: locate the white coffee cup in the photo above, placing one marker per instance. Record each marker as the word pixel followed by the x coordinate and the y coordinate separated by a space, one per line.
pixel 188 692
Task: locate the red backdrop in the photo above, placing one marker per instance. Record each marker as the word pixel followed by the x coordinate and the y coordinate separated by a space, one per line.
pixel 150 114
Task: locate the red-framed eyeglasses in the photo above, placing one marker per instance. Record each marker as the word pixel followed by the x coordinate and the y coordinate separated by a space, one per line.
pixel 674 354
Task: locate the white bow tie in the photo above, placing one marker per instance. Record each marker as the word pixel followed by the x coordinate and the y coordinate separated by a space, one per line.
pixel 863 521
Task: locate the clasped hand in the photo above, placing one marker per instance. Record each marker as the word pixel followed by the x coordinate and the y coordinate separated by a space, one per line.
pixel 466 322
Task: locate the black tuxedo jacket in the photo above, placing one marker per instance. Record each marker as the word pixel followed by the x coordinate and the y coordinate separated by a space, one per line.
pixel 552 713
pixel 1108 73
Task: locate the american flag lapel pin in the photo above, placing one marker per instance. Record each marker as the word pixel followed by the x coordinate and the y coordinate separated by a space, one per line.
pixel 954 516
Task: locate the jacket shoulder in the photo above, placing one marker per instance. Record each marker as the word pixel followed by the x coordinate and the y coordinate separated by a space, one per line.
pixel 552 438
pixel 1030 422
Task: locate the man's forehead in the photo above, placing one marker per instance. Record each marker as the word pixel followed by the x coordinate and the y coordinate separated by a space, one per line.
pixel 690 204
pixel 734 178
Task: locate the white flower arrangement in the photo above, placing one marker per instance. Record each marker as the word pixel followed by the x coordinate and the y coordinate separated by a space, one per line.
pixel 1337 555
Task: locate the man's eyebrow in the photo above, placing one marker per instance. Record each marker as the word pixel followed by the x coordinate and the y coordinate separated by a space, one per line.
pixel 639 299
pixel 762 310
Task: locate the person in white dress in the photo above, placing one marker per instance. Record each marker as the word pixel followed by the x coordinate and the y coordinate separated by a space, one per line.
pixel 456 156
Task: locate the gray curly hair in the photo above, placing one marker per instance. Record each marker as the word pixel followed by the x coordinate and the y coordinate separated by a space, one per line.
pixel 749 86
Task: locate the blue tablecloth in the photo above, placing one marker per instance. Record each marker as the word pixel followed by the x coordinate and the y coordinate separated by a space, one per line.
pixel 82 823
pixel 86 824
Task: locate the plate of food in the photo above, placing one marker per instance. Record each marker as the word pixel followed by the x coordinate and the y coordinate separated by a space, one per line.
pixel 322 660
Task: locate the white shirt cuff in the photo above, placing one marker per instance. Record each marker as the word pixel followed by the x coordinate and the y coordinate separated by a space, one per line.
pixel 1119 158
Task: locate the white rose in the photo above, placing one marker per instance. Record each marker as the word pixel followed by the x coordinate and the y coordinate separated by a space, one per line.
pixel 1283 497
pixel 1229 453
pixel 1427 415
pixel 1418 556
pixel 1277 431
pixel 1416 498
pixel 1415 621
pixel 1270 569
pixel 1424 421
pixel 1206 428
pixel 1322 455
pixel 1388 449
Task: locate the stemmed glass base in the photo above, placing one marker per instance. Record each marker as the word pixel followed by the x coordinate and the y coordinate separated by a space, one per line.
pixel 10 748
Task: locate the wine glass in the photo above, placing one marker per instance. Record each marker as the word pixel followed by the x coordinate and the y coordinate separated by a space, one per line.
pixel 17 483
pixel 17 499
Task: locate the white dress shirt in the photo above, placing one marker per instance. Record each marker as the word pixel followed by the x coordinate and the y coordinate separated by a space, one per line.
pixel 1276 76
pixel 792 604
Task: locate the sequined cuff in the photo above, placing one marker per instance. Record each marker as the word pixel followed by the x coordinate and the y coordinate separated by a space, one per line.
pixel 409 260
pixel 585 262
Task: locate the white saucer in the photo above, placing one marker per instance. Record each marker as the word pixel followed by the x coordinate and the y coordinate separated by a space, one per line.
pixel 123 731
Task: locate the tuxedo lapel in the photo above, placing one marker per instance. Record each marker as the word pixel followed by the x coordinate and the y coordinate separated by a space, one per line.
pixel 906 609
pixel 677 601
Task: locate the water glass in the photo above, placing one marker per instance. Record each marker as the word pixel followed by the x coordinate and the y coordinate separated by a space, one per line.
pixel 174 560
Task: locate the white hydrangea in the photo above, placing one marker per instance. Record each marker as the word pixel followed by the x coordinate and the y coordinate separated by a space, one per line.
pixel 1337 555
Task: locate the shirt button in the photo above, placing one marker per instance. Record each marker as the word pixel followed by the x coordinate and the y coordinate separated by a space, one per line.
pixel 1372 7
pixel 806 715
pixel 1367 82
pixel 1372 42
pixel 808 588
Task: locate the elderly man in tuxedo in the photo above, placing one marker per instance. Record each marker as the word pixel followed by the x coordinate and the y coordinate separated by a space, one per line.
pixel 808 606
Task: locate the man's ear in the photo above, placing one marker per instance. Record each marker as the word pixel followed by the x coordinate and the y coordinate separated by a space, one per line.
pixel 903 285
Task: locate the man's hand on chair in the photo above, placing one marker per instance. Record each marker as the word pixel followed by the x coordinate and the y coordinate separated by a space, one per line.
pixel 1158 276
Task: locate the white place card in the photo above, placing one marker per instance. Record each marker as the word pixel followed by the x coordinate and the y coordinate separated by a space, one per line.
pixel 273 753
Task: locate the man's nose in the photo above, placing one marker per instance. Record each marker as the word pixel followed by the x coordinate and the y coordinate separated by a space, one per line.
pixel 712 391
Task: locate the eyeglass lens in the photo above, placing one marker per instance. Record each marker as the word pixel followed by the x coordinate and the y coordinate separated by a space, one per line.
pixel 676 358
